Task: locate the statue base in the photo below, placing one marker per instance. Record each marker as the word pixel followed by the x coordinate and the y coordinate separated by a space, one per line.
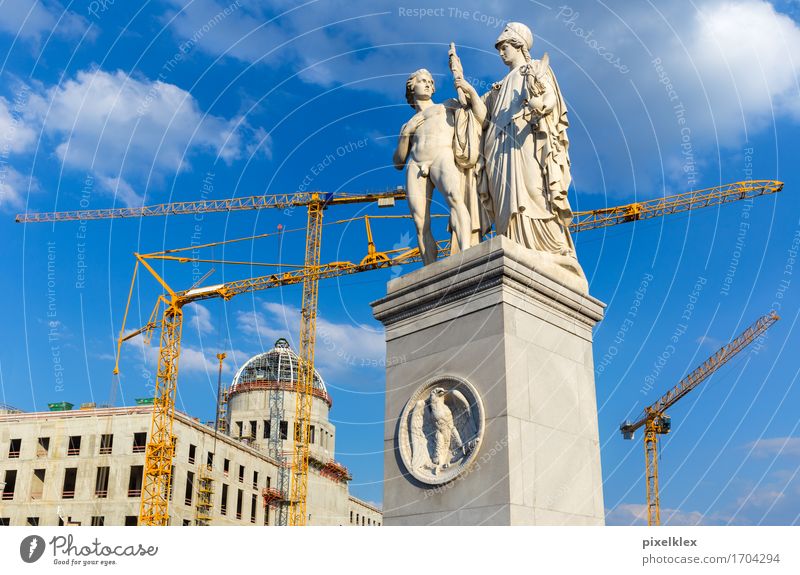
pixel 491 321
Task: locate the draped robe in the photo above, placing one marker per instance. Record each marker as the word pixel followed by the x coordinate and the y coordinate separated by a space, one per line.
pixel 526 165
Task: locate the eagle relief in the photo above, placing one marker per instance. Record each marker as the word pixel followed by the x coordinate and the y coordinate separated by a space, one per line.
pixel 440 430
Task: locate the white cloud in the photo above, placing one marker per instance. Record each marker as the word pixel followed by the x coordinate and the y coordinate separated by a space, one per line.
pixel 104 119
pixel 705 78
pixel 761 498
pixel 196 360
pixel 747 58
pixel 627 514
pixel 341 347
pixel 199 319
pixel 709 341
pixel 321 41
pixel 129 132
pixel 765 492
pixel 15 134
pixel 260 143
pixel 33 19
pixel 775 446
pixel 636 514
pixel 678 517
pixel 121 190
pixel 238 34
pixel 773 500
pixel 204 360
pixel 268 328
pixel 192 359
pixel 14 188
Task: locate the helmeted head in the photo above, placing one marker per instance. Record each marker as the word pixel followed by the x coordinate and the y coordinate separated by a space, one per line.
pixel 519 36
pixel 411 82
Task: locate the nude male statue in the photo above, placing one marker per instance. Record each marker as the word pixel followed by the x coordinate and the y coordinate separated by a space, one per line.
pixel 426 143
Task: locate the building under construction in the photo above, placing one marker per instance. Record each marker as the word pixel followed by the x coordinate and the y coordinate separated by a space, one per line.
pixel 85 466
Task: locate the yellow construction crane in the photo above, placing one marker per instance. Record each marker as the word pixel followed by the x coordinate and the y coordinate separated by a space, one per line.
pixel 675 204
pixel 656 421
pixel 583 221
pixel 160 449
pixel 374 259
pixel 280 201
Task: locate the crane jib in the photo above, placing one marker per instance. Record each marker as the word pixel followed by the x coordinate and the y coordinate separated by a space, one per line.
pixel 700 374
pixel 583 221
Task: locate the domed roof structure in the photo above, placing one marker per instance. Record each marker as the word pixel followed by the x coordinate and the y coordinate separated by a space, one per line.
pixel 274 368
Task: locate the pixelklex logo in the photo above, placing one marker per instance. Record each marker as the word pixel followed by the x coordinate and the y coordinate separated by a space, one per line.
pixel 31 549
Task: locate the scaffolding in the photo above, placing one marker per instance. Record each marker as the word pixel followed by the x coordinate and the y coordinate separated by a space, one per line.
pixel 335 471
pixel 220 423
pixel 285 373
pixel 222 413
pixel 272 497
pixel 205 496
pixel 276 452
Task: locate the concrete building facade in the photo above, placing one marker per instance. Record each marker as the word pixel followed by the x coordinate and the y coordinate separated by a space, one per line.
pixel 85 466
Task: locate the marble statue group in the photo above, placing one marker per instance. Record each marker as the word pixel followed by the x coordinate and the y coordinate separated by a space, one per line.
pixel 500 160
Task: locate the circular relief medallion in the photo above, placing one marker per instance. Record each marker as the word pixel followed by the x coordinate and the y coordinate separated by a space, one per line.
pixel 440 429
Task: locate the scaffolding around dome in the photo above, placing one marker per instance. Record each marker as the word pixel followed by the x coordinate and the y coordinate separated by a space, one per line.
pixel 274 369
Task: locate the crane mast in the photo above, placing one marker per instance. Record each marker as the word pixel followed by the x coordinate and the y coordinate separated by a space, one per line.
pixel 656 422
pixel 305 368
pixel 160 450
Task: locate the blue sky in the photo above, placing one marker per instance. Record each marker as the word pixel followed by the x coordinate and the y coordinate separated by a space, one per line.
pixel 113 104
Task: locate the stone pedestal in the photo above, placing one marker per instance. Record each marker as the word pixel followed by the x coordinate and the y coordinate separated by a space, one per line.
pixel 523 342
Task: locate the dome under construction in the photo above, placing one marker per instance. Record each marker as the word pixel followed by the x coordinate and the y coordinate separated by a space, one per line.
pixel 274 369
pixel 262 404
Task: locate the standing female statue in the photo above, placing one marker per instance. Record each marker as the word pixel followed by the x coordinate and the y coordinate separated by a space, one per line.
pixel 525 153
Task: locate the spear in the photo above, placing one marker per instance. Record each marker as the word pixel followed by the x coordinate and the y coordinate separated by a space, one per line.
pixel 458 72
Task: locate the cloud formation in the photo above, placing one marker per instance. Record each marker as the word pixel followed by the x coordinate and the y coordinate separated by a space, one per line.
pixel 657 93
pixel 15 137
pixel 341 347
pixel 14 188
pixel 193 359
pixel 33 19
pixel 735 62
pixel 116 126
pixel 775 447
pixel 129 132
pixel 636 514
pixel 199 319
